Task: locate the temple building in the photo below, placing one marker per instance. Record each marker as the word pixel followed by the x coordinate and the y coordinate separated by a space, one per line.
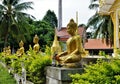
pixel 92 45
pixel 107 7
pixel 112 8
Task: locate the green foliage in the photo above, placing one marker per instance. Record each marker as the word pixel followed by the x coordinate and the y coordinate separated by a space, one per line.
pixel 45 33
pixel 5 77
pixel 51 18
pixel 13 21
pixel 102 72
pixel 37 69
pixel 117 50
pixel 34 64
pixel 48 51
pixel 101 53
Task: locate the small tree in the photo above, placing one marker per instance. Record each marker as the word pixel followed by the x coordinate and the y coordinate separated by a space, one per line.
pixel 51 18
pixel 45 33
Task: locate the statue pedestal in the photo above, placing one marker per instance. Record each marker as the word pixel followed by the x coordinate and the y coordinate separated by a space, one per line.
pixel 92 59
pixel 59 75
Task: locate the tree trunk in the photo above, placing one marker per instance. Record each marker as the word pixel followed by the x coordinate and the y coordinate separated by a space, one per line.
pixel 6 38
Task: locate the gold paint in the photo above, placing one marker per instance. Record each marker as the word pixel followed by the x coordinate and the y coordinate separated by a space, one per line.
pixel 72 56
pixel 36 47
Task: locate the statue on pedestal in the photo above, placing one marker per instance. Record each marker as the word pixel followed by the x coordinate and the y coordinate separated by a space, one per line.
pixel 4 51
pixel 20 51
pixel 36 47
pixel 8 51
pixel 72 56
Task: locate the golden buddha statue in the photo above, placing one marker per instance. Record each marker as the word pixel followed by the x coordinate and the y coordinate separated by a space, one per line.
pixel 8 51
pixel 72 56
pixel 4 52
pixel 20 51
pixel 36 47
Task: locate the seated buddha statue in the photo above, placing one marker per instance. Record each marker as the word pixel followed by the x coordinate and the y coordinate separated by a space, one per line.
pixel 8 51
pixel 4 51
pixel 36 47
pixel 20 51
pixel 72 56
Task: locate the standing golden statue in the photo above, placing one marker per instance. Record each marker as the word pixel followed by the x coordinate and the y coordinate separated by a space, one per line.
pixel 36 47
pixel 72 56
pixel 20 51
pixel 55 49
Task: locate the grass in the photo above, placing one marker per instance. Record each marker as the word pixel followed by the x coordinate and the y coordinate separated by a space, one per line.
pixel 5 77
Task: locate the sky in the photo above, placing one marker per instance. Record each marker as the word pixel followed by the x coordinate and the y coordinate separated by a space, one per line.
pixel 69 9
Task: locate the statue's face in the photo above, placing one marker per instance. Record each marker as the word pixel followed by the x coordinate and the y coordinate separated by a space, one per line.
pixel 35 40
pixel 21 45
pixel 70 30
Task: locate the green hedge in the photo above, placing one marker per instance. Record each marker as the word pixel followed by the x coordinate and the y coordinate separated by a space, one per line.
pixel 5 77
pixel 100 73
pixel 34 63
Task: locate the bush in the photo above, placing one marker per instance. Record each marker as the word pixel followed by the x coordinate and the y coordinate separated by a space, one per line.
pixel 34 63
pixel 100 73
pixel 5 77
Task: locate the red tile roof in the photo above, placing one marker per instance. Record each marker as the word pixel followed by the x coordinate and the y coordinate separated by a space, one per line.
pixel 96 44
pixel 64 35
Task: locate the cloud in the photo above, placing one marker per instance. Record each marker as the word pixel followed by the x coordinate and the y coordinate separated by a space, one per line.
pixel 70 7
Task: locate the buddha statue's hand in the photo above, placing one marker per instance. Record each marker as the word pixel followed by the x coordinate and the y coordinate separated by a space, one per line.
pixel 63 54
pixel 57 58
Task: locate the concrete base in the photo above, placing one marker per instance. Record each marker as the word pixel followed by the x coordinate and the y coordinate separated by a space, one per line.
pixel 92 59
pixel 60 75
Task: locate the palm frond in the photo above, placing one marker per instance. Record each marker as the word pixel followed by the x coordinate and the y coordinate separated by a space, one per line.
pixel 93 1
pixel 2 7
pixel 23 6
pixel 15 2
pixel 92 20
pixel 93 6
pixel 5 2
pixel 97 31
pixel 110 31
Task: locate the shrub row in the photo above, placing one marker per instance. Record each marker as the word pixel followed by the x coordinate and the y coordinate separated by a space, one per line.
pixel 34 63
pixel 100 73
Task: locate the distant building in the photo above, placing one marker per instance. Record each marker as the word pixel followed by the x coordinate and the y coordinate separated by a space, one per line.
pixel 92 45
pixel 96 45
pixel 63 35
pixel 112 8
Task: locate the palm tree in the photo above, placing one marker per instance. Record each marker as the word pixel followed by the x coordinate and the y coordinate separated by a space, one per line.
pixel 102 25
pixel 94 5
pixel 13 20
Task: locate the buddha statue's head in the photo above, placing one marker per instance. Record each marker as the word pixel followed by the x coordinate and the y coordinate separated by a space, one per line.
pixel 71 27
pixel 35 39
pixel 21 43
pixel 8 47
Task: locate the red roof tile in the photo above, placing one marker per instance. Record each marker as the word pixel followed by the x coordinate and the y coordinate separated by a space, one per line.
pixel 64 35
pixel 96 44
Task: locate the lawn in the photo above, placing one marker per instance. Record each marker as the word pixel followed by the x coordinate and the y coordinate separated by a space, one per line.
pixel 5 77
